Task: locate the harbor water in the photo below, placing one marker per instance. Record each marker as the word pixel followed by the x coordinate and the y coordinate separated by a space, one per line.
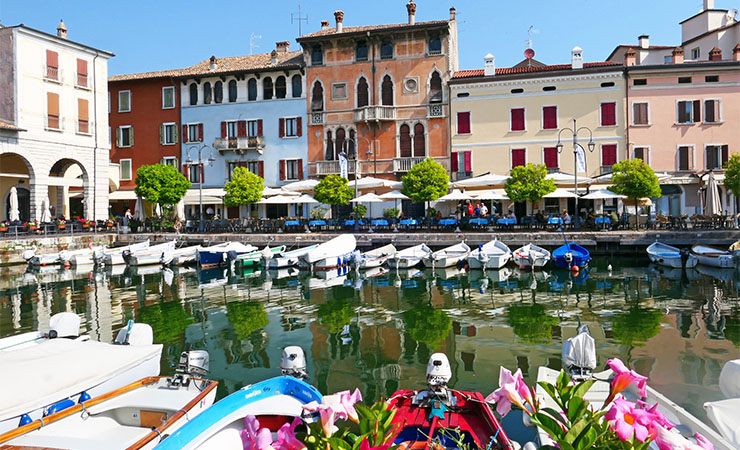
pixel 376 330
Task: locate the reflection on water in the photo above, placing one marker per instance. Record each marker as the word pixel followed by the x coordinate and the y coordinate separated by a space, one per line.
pixel 377 329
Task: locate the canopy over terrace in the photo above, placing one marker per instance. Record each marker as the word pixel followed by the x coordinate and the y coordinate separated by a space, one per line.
pixel 488 179
pixel 301 186
pixel 561 193
pixel 372 183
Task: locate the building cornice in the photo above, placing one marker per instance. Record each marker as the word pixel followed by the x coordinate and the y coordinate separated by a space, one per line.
pixel 509 81
pixel 60 41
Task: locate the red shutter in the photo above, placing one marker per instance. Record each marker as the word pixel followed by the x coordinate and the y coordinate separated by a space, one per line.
pixel 281 127
pixel 202 173
pixel 186 171
pixel 184 134
pixel 52 58
pixel 468 162
pixel 697 111
pixel 261 169
pixel 608 114
pixel 282 169
pixel 550 117
pixel 725 154
pixel 463 123
pixel 517 119
pixel 300 166
pixel 241 128
pixel 453 162
pixel 518 157
pixel 608 154
pixel 223 129
pixel 81 66
pixel 200 132
pixel 299 128
pixel 259 127
pixel 551 157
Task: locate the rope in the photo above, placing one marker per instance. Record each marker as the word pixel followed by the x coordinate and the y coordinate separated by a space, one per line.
pixel 493 439
pixel 184 412
pixel 157 431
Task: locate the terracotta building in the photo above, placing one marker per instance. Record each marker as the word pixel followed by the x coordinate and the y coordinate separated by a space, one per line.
pixel 378 93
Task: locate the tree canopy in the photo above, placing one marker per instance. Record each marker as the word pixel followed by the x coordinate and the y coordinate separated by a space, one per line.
pixel 732 175
pixel 160 183
pixel 246 317
pixel 244 188
pixel 635 179
pixel 426 181
pixel 426 324
pixel 528 183
pixel 333 190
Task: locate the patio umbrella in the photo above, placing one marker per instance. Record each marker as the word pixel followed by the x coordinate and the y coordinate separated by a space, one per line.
pixel 14 214
pixel 180 210
pixel 278 200
pixel 394 195
pixel 712 205
pixel 139 213
pixel 560 193
pixel 489 194
pixel 455 196
pixel 602 194
pixel 306 199
pixel 488 179
pixel 564 178
pixel 45 213
pixel 303 185
pixel 370 183
pixel 157 210
pixel 368 198
pixel 268 191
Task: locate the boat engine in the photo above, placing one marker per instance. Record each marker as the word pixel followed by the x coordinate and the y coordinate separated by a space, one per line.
pixel 684 257
pixel 293 362
pixel 64 325
pixel 99 256
pixel 193 363
pixel 438 372
pixel 579 354
pixel 28 254
pixel 126 254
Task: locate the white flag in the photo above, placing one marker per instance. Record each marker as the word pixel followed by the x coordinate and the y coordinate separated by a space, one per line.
pixel 580 158
pixel 343 165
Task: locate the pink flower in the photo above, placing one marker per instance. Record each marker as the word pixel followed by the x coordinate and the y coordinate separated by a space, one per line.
pixel 703 442
pixel 657 417
pixel 287 439
pixel 623 378
pixel 627 421
pixel 508 391
pixel 254 438
pixel 672 440
pixel 335 406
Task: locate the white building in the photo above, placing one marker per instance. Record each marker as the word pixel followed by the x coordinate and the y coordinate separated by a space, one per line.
pixel 53 124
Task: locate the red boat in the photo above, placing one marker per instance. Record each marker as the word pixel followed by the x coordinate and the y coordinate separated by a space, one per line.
pixel 443 418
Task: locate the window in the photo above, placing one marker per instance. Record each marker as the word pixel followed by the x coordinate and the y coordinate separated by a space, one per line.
pixel 549 117
pixel 267 88
pixel 168 134
pixel 194 173
pixel 232 91
pixel 517 91
pixel 125 137
pixel 711 79
pixel 254 128
pixel 640 114
pixel 329 153
pixel 435 88
pixel 549 88
pixel 232 129
pixel 362 93
pixel 518 157
pixel 193 94
pixel 685 158
pixel 252 90
pixel 291 169
pixel 317 56
pixel 607 84
pixel 52 65
pixel 124 101
pixel 684 80
pixel 170 161
pixel 256 167
pixel 361 51
pixel 404 141
pixel 716 156
pixel 317 97
pixel 52 111
pixel 290 127
pixel 688 111
pixel 608 155
pixel 386 50
pixel 711 111
pixel 339 142
pixel 639 82
pixel 281 87
pixel 207 93
pixel 351 153
pixel 517 119
pixel 435 45
pixel 667 59
pixel 550 155
pixel 193 132
pixel 81 73
pixel 168 97
pixel 83 124
pixel 230 166
pixel 218 92
pixel 461 162
pixel 463 122
pixel 339 91
pixel 297 82
pixel 695 53
pixel 386 91
pixel 419 140
pixel 642 153
pixel 124 168
pixel 552 206
pixel 608 114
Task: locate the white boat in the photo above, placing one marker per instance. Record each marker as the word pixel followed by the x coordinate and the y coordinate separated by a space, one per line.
pixel 531 256
pixel 136 416
pixel 289 259
pixel 327 278
pixel 712 256
pixel 724 413
pixel 447 257
pixel 114 256
pixel 332 253
pixel 409 257
pixel 666 255
pixel 180 256
pixel 492 255
pixel 81 256
pixel 221 253
pixel 151 255
pixel 34 259
pixel 377 257
pixel 286 272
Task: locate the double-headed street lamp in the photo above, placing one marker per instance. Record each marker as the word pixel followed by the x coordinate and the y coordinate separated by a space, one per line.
pixel 200 162
pixel 356 158
pixel 574 131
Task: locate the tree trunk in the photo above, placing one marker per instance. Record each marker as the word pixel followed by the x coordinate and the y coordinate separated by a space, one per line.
pixel 637 216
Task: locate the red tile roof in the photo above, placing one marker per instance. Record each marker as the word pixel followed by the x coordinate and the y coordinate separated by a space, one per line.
pixel 8 126
pixel 533 69
pixel 145 75
pixel 332 31
pixel 232 64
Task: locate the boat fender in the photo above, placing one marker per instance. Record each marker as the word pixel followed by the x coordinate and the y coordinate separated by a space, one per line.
pixel 25 420
pixel 85 397
pixel 575 269
pixel 59 406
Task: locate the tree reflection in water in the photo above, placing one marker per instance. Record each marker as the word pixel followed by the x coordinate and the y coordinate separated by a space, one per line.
pixel 246 317
pixel 167 319
pixel 531 323
pixel 636 325
pixel 427 325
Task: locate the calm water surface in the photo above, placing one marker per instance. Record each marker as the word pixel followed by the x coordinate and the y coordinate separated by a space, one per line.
pixel 377 332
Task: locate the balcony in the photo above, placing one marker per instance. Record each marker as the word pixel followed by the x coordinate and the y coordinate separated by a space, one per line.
pixel 436 110
pixel 606 169
pixel 239 144
pixel 319 168
pixel 405 164
pixel 316 118
pixel 51 73
pixel 376 113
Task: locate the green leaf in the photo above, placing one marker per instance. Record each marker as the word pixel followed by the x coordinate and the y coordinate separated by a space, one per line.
pixel 333 190
pixel 582 387
pixel 426 181
pixel 563 380
pixel 548 424
pixel 552 392
pixel 244 188
pixel 577 407
pixel 576 430
pixel 338 444
pixel 528 183
pixel 586 439
pixel 159 183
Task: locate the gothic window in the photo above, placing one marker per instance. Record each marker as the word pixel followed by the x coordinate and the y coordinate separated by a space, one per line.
pixel 386 91
pixel 267 88
pixel 339 142
pixel 232 91
pixel 297 86
pixel 419 140
pixel 252 90
pixel 193 94
pixel 405 141
pixel 280 87
pixel 317 97
pixel 435 88
pixel 329 155
pixel 207 93
pixel 362 93
pixel 218 92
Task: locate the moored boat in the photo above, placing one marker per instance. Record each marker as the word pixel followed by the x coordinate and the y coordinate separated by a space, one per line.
pixel 376 257
pixel 409 257
pixel 669 256
pixel 724 413
pixel 332 253
pixel 221 253
pixel 289 259
pixel 571 255
pixel 447 257
pixel 151 255
pixel 491 255
pixel 114 256
pixel 180 256
pixel 35 259
pixel 531 256
pixel 258 257
pixel 712 256
pixel 79 257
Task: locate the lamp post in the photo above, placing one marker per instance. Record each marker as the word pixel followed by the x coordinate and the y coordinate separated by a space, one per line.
pixel 357 173
pixel 574 131
pixel 200 162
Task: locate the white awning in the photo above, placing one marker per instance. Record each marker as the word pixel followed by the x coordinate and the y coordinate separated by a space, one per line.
pixel 489 179
pixel 489 194
pixel 122 195
pixel 367 198
pixel 561 193
pixel 602 194
pixel 455 195
pixel 303 185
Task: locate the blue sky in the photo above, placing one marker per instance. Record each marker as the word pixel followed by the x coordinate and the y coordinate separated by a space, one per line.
pixel 164 34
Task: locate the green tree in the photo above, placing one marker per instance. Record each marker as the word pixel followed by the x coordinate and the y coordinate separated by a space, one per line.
pixel 426 324
pixel 426 181
pixel 160 183
pixel 635 179
pixel 528 183
pixel 333 190
pixel 732 175
pixel 246 317
pixel 531 323
pixel 244 188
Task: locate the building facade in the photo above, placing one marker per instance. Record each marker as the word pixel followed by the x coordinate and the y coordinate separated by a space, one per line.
pixel 54 111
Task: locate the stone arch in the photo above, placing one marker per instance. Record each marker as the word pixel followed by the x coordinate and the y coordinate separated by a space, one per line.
pixel 435 91
pixel 387 90
pixel 70 191
pixel 362 92
pixel 317 96
pixel 25 178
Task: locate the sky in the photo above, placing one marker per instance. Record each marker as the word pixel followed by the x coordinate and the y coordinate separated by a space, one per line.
pixel 165 34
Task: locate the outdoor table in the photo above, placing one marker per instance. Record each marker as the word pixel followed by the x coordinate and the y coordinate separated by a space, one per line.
pixel 408 222
pixel 506 221
pixel 603 221
pixel 555 221
pixel 292 223
pixel 379 223
pixel 317 223
pixel 448 222
pixel 478 221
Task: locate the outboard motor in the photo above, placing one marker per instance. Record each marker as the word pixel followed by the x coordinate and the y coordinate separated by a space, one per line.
pixel 193 363
pixel 126 254
pixel 438 372
pixel 293 362
pixel 230 256
pixel 28 254
pixel 99 256
pixel 579 354
pixel 684 257
pixel 64 325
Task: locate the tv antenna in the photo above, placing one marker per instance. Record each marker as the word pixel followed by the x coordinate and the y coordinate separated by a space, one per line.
pixel 252 44
pixel 531 31
pixel 299 18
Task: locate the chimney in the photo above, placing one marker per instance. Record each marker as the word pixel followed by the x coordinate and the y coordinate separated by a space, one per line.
pixel 489 68
pixel 62 30
pixel 339 16
pixel 576 58
pixel 282 46
pixel 213 64
pixel 715 54
pixel 708 4
pixel 453 13
pixel 324 25
pixel 274 57
pixel 677 55
pixel 630 57
pixel 736 53
pixel 644 41
pixel 411 8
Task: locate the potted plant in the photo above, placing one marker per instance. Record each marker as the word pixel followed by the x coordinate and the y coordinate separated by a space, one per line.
pixel 61 224
pixel 32 225
pixel 4 226
pixel 85 224
pixel 109 223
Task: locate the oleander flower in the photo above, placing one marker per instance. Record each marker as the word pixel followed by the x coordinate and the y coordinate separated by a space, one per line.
pixel 508 391
pixel 287 439
pixel 624 377
pixel 627 420
pixel 333 407
pixel 672 440
pixel 254 437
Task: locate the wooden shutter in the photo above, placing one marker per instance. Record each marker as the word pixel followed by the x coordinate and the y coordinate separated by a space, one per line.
pixel 186 171
pixel 82 110
pixel 518 157
pixel 52 104
pixel 81 72
pixel 608 154
pixel 200 132
pixel 709 115
pixel 281 127
pixel 640 153
pixel 608 114
pixel 551 157
pixel 463 122
pixel 453 162
pixel 261 169
pixel 161 134
pixel 223 129
pixel 404 143
pixel 174 133
pixel 550 117
pixel 517 119
pixel 711 153
pixel 300 169
pixel 131 136
pixel 419 140
pixel 52 58
pixel 725 154
pixel 241 128
pixel 282 169
pixel 697 111
pixel 299 126
pixel 682 113
pixel 184 133
pixel 468 161
pixel 259 127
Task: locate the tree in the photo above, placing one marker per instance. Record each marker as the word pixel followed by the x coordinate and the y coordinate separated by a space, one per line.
pixel 246 317
pixel 635 179
pixel 528 183
pixel 732 175
pixel 333 190
pixel 426 324
pixel 244 188
pixel 426 181
pixel 160 183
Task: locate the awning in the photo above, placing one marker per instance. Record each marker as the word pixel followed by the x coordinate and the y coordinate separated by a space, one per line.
pixel 670 189
pixel 560 193
pixel 122 195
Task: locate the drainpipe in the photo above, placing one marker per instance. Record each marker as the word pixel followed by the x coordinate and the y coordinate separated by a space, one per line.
pixel 95 150
pixel 374 127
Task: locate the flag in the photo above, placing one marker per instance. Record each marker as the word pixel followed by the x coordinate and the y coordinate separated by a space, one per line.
pixel 580 158
pixel 343 165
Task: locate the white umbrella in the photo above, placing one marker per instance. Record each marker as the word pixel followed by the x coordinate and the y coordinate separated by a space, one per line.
pixel 370 183
pixel 303 185
pixel 712 205
pixel 455 196
pixel 157 210
pixel 560 193
pixel 305 198
pixel 393 195
pixel 268 191
pixel 45 213
pixel 489 194
pixel 488 179
pixel 607 178
pixel 602 194
pixel 278 200
pixel 139 213
pixel 564 178
pixel 395 184
pixel 180 210
pixel 14 214
pixel 367 198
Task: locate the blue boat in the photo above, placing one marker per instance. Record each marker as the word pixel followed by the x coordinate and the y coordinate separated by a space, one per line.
pixel 569 255
pixel 222 253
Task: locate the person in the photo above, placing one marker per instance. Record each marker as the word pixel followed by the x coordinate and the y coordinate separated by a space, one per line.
pixel 483 210
pixel 591 219
pixel 614 218
pixel 566 217
pixel 209 211
pixel 457 216
pixel 476 211
pixel 539 218
pixel 511 215
pixel 126 218
pixel 471 210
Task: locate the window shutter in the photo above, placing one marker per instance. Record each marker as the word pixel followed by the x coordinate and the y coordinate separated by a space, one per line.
pixel 682 117
pixel 608 114
pixel 453 162
pixel 200 132
pixel 711 153
pixel 131 136
pixel 223 129
pixel 52 58
pixel 300 168
pixel 259 127
pixel 261 169
pixel 517 119
pixel 202 174
pixel 468 162
pixel 118 137
pixel 299 129
pixel 82 109
pixel 161 134
pixel 81 66
pixel 281 127
pixel 52 103
pixel 725 154
pixel 282 169
pixel 690 153
pixel 241 128
pixel 186 171
pixel 174 133
pixel 463 123
pixel 550 117
pixel 518 157
pixel 551 157
pixel 697 111
pixel 184 134
pixel 608 154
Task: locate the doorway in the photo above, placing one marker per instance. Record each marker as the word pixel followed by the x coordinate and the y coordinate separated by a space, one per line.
pixel 24 203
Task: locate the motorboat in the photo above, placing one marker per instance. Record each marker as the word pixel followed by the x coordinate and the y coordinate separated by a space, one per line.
pixel 136 416
pixel 531 256
pixel 571 255
pixel 491 255
pixel 454 418
pixel 666 255
pixel 332 253
pixel 114 256
pixel 79 257
pixel 289 259
pixel 724 413
pixel 257 257
pixel 221 253
pixel 713 256
pixel 327 278
pixel 34 259
pixel 180 256
pixel 374 258
pixel 274 402
pixel 148 256
pixel 447 257
pixel 409 257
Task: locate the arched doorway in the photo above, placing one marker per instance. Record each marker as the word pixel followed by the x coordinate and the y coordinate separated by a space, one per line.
pixel 68 186
pixel 16 172
pixel 24 203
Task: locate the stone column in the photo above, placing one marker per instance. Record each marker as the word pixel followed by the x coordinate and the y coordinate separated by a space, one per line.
pixel 39 190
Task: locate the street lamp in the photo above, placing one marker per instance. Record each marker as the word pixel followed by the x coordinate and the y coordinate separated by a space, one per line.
pixel 574 131
pixel 357 174
pixel 200 162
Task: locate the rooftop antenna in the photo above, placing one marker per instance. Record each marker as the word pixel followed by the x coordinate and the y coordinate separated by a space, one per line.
pixel 532 30
pixel 299 18
pixel 252 45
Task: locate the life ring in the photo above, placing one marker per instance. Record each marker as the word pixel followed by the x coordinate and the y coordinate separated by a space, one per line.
pixel 178 226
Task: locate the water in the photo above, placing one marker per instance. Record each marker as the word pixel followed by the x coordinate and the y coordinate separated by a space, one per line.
pixel 377 333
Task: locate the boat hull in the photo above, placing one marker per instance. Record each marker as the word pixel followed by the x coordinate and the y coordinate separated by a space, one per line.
pixel 404 263
pixel 444 262
pixel 332 262
pixel 579 256
pixel 492 262
pixel 674 262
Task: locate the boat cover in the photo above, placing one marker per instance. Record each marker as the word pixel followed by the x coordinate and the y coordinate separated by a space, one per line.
pixel 42 374
pixel 723 415
pixel 580 351
pixel 729 379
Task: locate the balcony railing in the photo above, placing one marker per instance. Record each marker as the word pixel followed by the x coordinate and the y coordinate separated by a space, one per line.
pixel 436 110
pixel 553 169
pixel 606 169
pixel 239 144
pixel 405 164
pixel 316 118
pixel 52 73
pixel 376 112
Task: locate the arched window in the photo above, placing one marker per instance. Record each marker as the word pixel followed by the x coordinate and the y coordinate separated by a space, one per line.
pixel 419 140
pixel 351 153
pixel 362 93
pixel 329 154
pixel 339 142
pixel 386 91
pixel 281 89
pixel 361 50
pixel 218 92
pixel 193 94
pixel 404 138
pixel 317 56
pixel 435 88
pixel 317 97
pixel 297 86
pixel 267 88
pixel 252 90
pixel 207 93
pixel 232 91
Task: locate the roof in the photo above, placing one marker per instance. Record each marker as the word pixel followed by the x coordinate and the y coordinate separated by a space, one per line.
pixel 246 63
pixel 8 126
pixel 637 47
pixel 348 31
pixel 516 70
pixel 145 75
pixel 716 30
pixel 702 12
pixel 62 40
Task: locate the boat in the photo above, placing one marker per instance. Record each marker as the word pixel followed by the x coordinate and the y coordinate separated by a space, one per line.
pixel 666 255
pixel 34 259
pixel 491 255
pixel 713 256
pixel 571 255
pixel 180 256
pixel 289 259
pixel 136 416
pixel 114 256
pixel 448 416
pixel 221 253
pixel 79 257
pixel 332 253
pixel 257 257
pixel 447 257
pixel 286 272
pixel 273 402
pixel 374 258
pixel 409 257
pixel 151 255
pixel 724 413
pixel 531 256
pixel 327 278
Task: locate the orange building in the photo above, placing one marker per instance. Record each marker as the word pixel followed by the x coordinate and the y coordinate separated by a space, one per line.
pixel 379 94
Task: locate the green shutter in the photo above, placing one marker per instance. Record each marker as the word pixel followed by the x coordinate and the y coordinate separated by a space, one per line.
pixel 131 134
pixel 161 134
pixel 176 133
pixel 118 137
